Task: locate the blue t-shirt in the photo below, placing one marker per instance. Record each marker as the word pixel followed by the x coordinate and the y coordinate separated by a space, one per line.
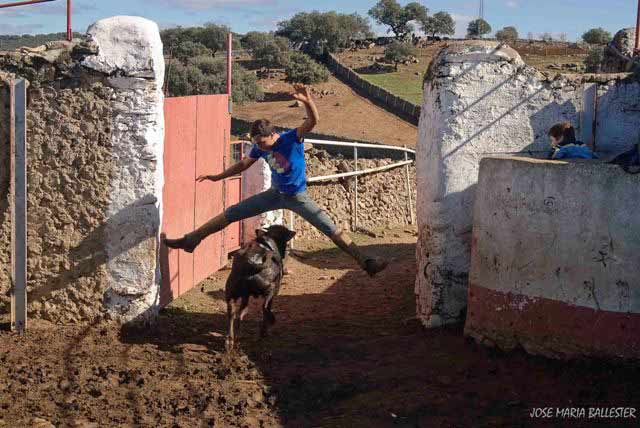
pixel 286 160
pixel 576 150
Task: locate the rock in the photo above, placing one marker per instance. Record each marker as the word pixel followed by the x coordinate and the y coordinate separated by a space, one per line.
pixel 127 44
pixel 83 423
pixel 619 51
pixel 36 49
pixel 41 423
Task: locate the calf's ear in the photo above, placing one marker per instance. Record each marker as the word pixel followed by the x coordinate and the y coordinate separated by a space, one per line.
pixel 260 233
pixel 291 235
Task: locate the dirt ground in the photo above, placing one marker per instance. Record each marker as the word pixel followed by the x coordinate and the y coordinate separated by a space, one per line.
pixel 343 113
pixel 345 352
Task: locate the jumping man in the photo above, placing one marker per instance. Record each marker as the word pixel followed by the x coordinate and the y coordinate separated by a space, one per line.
pixel 284 153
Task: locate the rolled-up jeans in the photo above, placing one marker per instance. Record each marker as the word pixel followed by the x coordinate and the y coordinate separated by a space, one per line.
pixel 272 199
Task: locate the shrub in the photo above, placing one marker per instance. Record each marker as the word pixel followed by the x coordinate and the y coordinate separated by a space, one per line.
pixel 253 39
pixel 189 49
pixel 206 75
pixel 439 23
pixel 396 52
pixel 478 28
pixel 272 51
pixel 597 36
pixel 319 33
pixel 397 17
pixel 594 59
pixel 302 69
pixel 507 34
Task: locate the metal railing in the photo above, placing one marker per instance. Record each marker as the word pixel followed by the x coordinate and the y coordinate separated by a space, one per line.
pixel 356 172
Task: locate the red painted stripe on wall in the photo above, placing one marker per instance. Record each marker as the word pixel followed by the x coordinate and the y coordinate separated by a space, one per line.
pixel 549 327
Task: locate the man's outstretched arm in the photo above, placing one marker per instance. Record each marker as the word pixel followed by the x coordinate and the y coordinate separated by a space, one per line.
pixel 234 169
pixel 303 95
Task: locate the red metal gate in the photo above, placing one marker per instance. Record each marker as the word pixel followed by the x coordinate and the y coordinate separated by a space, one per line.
pixel 197 131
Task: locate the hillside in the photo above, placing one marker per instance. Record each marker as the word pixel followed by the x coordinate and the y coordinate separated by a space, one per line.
pixel 10 42
pixel 406 82
pixel 343 113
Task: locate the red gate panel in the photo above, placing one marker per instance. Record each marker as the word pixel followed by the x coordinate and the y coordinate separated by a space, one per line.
pixel 196 140
pixel 179 192
pixel 213 128
pixel 234 230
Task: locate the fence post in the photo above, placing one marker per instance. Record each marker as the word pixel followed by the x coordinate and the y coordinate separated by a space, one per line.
pixel 355 206
pixel 18 142
pixel 408 187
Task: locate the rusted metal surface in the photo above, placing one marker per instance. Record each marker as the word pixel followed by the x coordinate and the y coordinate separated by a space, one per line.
pixel 69 32
pixel 179 192
pixel 24 3
pixel 213 127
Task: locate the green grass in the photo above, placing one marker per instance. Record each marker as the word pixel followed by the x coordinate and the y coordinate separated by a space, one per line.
pixel 406 86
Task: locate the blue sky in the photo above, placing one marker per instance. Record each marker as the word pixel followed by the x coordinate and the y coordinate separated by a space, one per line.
pixel 572 17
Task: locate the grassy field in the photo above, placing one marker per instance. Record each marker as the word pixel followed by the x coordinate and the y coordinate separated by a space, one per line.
pixel 407 81
pixel 408 87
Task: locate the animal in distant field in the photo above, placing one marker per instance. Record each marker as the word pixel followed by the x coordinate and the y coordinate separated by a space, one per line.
pixel 256 271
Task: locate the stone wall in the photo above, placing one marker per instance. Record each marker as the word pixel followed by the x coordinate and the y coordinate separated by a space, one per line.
pixel 382 198
pixel 401 107
pixel 555 256
pixel 481 99
pixel 95 138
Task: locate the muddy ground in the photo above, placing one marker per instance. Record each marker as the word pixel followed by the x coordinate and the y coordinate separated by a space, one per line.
pixel 345 352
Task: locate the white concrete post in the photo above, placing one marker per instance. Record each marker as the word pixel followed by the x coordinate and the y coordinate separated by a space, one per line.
pixel 130 50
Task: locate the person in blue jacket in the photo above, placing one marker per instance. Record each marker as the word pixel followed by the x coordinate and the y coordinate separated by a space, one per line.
pixel 564 144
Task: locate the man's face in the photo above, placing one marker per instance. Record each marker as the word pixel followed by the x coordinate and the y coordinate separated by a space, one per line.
pixel 264 143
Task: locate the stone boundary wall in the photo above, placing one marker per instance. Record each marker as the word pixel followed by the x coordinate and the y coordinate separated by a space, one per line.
pixel 555 256
pixel 95 139
pixel 481 99
pixel 382 197
pixel 395 104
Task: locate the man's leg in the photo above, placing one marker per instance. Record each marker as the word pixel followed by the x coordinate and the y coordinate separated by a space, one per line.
pixel 268 200
pixel 191 240
pixel 306 208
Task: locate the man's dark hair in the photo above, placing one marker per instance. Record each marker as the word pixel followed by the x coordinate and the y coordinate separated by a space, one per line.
pixel 261 128
pixel 563 131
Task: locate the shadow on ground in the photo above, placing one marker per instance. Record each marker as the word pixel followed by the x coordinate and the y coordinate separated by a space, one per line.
pixel 346 352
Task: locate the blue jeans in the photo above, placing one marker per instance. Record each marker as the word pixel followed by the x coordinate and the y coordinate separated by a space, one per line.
pixel 272 199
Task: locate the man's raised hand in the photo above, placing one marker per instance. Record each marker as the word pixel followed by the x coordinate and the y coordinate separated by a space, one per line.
pixel 207 177
pixel 301 93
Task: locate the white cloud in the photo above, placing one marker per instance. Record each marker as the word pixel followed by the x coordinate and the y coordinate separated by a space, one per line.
pixel 512 4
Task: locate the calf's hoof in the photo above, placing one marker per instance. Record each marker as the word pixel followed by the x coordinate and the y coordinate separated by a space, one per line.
pixel 229 344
